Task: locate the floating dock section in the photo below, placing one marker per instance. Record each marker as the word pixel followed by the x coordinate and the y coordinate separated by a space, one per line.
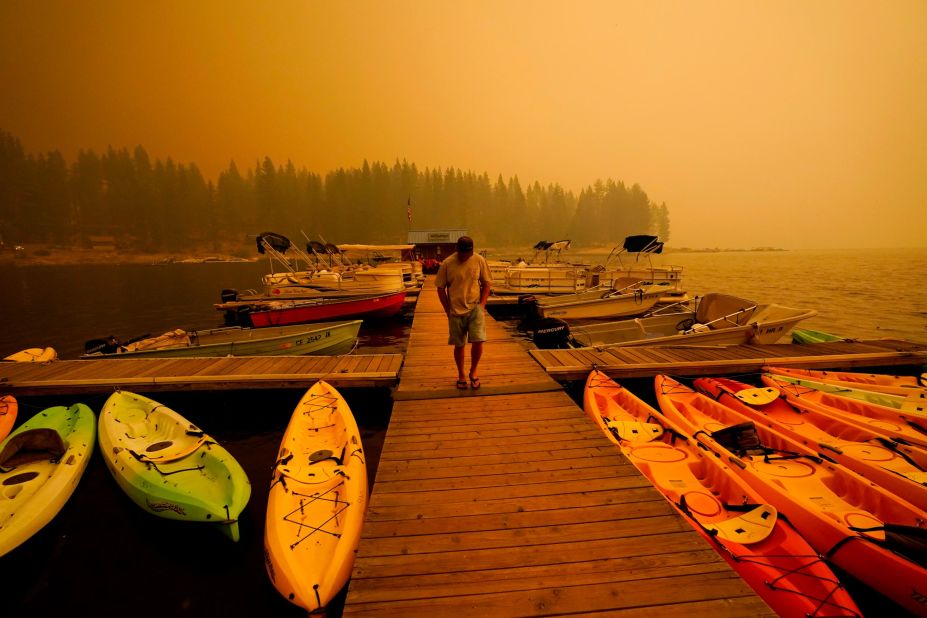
pixel 175 374
pixel 683 360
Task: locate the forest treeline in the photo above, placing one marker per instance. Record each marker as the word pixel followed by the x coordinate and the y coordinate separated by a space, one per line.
pixel 156 205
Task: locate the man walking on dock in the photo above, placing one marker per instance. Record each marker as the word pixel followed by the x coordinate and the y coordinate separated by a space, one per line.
pixel 463 283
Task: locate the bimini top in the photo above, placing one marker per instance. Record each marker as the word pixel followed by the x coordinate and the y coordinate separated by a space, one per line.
pixel 554 245
pixel 376 247
pixel 643 243
pixel 278 242
pixel 316 246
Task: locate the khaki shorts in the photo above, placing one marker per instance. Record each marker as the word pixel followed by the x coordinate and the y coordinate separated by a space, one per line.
pixel 471 326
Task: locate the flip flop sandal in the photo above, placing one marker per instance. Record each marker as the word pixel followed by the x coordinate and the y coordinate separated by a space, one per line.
pixel 474 383
pixel 461 384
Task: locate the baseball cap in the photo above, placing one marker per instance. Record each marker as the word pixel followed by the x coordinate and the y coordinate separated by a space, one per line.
pixel 465 243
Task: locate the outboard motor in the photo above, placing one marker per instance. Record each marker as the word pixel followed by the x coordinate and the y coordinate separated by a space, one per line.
pixel 528 304
pixel 551 334
pixel 103 346
pixel 229 295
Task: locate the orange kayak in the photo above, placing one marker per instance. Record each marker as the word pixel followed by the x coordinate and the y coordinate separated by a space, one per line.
pixel 766 551
pixel 878 382
pixel 8 410
pixel 879 459
pixel 899 425
pixel 868 532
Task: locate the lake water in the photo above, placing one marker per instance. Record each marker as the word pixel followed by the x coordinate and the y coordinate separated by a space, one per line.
pixel 102 554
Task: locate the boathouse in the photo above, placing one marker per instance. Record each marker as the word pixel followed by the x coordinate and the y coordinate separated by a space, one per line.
pixel 434 244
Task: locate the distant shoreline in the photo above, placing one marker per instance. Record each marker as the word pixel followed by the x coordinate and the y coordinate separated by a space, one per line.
pixel 65 256
pixel 69 256
pixel 494 252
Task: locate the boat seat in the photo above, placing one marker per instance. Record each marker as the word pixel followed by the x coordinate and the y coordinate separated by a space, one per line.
pixel 160 448
pixel 739 438
pixel 635 432
pixel 757 396
pixel 751 527
pixel 40 444
pixel 311 468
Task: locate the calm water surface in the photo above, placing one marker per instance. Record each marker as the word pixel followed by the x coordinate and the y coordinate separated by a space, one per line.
pixel 105 555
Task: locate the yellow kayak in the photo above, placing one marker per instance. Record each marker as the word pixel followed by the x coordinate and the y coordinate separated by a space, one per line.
pixel 41 463
pixel 33 355
pixel 317 501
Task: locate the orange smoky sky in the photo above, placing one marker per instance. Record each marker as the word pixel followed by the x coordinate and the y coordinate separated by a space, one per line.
pixel 786 123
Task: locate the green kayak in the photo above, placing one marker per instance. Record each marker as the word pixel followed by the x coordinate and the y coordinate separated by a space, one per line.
pixel 887 400
pixel 41 463
pixel 170 467
pixel 805 335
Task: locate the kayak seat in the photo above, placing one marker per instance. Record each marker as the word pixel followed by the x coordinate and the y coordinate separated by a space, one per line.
pixel 918 476
pixel 739 438
pixel 169 450
pixel 757 396
pixel 40 444
pixel 160 447
pixel 318 466
pixel 751 527
pixel 635 432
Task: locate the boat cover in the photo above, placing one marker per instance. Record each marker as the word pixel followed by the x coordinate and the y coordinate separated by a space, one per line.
pixel 278 242
pixel 642 243
pixel 315 246
pixel 376 247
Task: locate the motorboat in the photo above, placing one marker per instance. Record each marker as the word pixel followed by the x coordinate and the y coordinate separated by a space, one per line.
pixel 542 274
pixel 641 268
pixel 281 313
pixel 717 319
pixel 319 339
pixel 597 304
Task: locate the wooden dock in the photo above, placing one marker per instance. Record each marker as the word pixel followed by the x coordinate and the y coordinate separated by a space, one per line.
pixel 681 360
pixel 508 501
pixel 163 374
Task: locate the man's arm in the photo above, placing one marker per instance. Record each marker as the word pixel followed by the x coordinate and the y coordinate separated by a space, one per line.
pixel 442 296
pixel 485 288
pixel 485 283
pixel 441 285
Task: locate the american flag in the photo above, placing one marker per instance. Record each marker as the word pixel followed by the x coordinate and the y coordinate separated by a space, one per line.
pixel 409 209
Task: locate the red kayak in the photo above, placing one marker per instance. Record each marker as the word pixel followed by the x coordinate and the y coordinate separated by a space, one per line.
pixel 322 309
pixel 867 453
pixel 764 549
pixel 866 531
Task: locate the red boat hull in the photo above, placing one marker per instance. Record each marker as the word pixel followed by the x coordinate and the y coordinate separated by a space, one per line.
pixel 384 306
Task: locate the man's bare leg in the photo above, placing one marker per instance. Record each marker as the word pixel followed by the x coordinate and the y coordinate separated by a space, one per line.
pixel 459 360
pixel 476 353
